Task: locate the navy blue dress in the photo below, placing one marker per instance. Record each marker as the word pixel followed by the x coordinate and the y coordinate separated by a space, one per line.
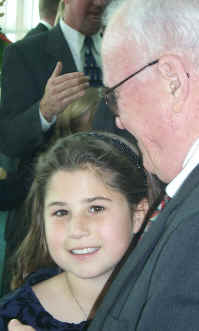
pixel 24 305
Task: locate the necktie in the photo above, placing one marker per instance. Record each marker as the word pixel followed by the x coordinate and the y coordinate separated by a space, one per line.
pixel 157 211
pixel 91 68
pixel 159 208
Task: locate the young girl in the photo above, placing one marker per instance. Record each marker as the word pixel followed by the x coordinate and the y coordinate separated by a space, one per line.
pixel 86 202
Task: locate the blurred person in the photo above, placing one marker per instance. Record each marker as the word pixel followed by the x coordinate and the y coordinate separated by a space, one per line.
pixel 84 202
pixel 13 189
pixel 78 116
pixel 52 79
pixel 47 14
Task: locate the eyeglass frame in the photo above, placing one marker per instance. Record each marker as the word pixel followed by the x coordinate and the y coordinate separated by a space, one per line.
pixel 108 90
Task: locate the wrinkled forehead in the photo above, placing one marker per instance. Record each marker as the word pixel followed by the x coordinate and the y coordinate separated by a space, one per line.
pixel 116 51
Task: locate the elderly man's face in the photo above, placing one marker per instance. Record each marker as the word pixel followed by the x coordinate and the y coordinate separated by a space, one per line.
pixel 142 103
pixel 85 15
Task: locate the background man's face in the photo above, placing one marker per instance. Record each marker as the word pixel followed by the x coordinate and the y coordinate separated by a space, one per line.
pixel 85 15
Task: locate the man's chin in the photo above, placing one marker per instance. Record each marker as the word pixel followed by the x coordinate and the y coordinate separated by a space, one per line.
pixel 93 29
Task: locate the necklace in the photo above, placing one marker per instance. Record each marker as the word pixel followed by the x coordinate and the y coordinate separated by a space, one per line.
pixel 75 299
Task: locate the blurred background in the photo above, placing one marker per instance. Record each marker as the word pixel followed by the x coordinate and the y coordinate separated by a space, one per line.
pixel 16 18
pixel 19 17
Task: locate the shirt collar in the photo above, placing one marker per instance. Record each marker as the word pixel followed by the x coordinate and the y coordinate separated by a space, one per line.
pixel 48 25
pixel 77 38
pixel 190 162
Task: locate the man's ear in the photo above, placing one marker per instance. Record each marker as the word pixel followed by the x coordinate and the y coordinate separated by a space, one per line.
pixel 172 70
pixel 139 214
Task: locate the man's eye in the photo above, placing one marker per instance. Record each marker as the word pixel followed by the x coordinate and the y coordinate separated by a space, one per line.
pixel 60 213
pixel 96 209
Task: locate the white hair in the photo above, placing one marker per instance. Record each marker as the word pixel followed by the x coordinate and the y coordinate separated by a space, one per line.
pixel 159 27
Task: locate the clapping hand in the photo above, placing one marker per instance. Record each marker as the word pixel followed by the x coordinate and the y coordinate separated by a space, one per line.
pixel 61 90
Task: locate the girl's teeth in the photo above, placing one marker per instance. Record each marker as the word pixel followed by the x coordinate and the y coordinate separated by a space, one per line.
pixel 84 250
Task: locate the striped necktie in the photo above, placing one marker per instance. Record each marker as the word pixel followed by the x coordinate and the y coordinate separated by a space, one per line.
pixel 91 68
pixel 157 211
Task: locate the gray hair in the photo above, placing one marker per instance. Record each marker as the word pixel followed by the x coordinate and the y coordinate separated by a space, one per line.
pixel 162 26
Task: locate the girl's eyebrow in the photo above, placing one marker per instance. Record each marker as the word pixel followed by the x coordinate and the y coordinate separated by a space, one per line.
pixel 97 198
pixel 56 203
pixel 87 200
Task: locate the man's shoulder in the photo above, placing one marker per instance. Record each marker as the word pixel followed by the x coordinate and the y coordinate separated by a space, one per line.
pixel 33 39
pixel 33 46
pixel 40 28
pixel 32 43
pixel 37 38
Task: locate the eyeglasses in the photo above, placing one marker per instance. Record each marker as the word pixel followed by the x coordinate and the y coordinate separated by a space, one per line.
pixel 109 93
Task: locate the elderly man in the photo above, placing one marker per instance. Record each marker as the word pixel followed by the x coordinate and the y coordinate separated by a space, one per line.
pixel 154 93
pixel 154 46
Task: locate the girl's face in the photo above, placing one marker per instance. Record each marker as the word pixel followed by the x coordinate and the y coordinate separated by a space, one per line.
pixel 88 225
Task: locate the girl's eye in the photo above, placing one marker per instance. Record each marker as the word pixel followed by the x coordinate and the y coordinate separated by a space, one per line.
pixel 96 209
pixel 60 213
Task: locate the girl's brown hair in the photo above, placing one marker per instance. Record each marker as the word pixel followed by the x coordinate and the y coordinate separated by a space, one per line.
pixel 110 156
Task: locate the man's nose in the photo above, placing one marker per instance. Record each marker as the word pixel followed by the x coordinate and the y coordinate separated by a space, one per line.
pixel 78 227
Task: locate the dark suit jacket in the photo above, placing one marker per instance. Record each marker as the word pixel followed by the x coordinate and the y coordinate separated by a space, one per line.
pixel 157 288
pixel 13 191
pixel 27 65
pixel 38 29
pixel 10 198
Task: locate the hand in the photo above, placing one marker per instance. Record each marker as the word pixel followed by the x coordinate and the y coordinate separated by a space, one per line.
pixel 61 90
pixel 15 325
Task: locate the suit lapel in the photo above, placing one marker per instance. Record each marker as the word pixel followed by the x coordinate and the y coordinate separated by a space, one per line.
pixel 58 48
pixel 133 266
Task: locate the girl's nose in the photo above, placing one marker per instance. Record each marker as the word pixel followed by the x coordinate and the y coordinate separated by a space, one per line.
pixel 78 227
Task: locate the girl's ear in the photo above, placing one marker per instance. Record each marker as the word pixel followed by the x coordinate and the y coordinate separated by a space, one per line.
pixel 139 214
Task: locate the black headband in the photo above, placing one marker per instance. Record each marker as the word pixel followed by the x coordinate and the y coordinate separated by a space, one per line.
pixel 118 142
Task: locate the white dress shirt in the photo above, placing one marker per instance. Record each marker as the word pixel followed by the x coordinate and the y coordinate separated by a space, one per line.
pixel 190 162
pixel 75 40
